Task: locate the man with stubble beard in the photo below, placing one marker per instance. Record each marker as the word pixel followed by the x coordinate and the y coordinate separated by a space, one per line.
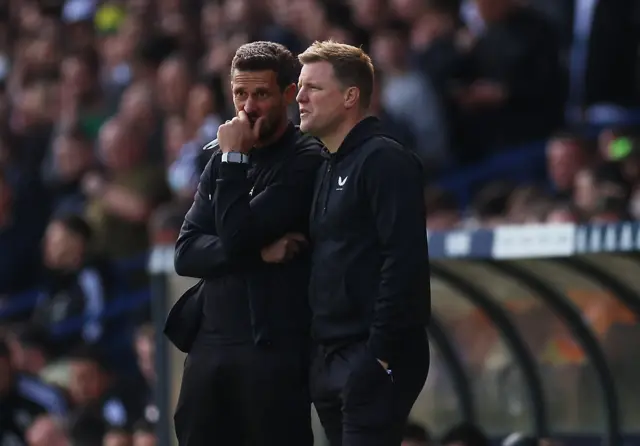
pixel 245 325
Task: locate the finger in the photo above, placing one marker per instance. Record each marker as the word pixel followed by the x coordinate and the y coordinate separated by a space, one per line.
pixel 257 126
pixel 293 248
pixel 297 237
pixel 243 116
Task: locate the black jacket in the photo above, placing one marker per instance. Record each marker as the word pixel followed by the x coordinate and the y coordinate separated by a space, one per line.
pixel 28 399
pixel 238 210
pixel 370 262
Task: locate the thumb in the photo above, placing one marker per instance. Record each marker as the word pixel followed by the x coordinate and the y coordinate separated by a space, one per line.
pixel 297 237
pixel 257 126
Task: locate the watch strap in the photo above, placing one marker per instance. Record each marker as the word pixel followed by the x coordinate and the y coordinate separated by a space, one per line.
pixel 235 157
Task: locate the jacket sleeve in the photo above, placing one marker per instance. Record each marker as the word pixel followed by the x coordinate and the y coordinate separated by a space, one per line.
pixel 393 181
pixel 199 252
pixel 246 224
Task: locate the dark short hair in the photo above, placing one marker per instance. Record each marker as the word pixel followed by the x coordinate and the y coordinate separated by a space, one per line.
pixel 90 58
pixel 396 28
pixel 33 336
pixel 75 224
pixel 262 55
pixel 87 353
pixel 352 67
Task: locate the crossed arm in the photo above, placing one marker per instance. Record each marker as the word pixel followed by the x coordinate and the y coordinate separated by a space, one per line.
pixel 226 229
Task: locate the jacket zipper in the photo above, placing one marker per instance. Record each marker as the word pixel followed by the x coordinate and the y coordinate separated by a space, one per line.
pixel 327 187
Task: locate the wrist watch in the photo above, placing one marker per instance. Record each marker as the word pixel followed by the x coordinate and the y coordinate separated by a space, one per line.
pixel 235 157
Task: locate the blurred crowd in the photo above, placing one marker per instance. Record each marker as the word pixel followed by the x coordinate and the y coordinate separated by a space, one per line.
pixel 105 105
pixel 590 180
pixel 466 434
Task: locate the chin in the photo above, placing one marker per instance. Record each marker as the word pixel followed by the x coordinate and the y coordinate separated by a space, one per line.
pixel 307 127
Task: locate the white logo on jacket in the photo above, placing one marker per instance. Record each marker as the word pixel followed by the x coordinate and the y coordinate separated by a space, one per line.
pixel 341 182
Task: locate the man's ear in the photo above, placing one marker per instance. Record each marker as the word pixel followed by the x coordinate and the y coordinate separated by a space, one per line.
pixel 351 97
pixel 290 93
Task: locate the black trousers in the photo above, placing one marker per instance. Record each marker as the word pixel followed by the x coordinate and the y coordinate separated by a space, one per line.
pixel 244 395
pixel 358 402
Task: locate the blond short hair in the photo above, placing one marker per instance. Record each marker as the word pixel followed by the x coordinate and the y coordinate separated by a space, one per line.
pixel 351 65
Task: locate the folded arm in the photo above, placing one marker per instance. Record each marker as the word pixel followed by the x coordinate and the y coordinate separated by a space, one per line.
pixel 246 224
pixel 199 251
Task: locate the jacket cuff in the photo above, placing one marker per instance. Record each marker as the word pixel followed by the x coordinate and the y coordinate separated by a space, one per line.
pixel 381 347
pixel 232 171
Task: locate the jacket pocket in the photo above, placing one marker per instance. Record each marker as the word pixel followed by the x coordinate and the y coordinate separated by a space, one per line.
pixel 368 392
pixel 185 317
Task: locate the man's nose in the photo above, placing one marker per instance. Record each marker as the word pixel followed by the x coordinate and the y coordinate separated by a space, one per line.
pixel 301 96
pixel 250 106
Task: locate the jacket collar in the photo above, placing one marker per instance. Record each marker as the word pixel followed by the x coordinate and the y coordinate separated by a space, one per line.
pixel 361 132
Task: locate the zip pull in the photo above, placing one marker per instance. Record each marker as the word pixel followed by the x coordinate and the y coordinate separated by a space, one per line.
pixel 390 374
pixel 327 187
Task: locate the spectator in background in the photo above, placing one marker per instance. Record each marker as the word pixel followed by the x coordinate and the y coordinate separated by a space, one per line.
pixel 73 157
pixel 600 44
pixel 144 434
pixel 138 108
pixel 416 435
pixel 567 154
pixel 490 204
pixel 31 350
pixel 512 88
pixel 95 392
pixel 584 191
pixel 117 437
pixel 563 213
pixel 47 431
pixel 82 99
pixel 612 194
pixel 31 123
pixel 199 127
pixel 121 200
pixel 22 400
pixel 368 15
pixel 443 212
pixel 409 97
pixel 173 85
pixel 144 344
pixel 21 227
pixel 434 39
pixel 75 285
pixel 87 428
pixel 527 204
pixel 398 129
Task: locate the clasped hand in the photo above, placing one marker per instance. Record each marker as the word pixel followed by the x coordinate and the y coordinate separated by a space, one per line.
pixel 238 135
pixel 284 249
